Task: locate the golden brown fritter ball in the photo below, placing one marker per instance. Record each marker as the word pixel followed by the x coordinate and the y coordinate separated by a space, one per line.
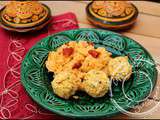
pixel 96 83
pixel 65 84
pixel 119 68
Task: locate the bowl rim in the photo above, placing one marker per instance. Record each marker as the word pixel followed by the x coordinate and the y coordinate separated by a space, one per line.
pixel 113 20
pixel 110 24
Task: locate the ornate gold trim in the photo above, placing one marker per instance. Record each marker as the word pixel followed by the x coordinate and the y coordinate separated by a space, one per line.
pixel 27 24
pixel 109 26
pixel 111 19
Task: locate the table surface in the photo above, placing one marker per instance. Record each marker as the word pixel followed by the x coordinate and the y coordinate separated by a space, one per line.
pixel 146 32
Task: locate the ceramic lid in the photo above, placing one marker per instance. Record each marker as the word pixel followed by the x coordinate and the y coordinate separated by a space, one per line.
pixel 24 13
pixel 113 13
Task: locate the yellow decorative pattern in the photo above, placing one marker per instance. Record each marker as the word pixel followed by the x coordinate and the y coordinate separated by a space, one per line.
pixel 113 11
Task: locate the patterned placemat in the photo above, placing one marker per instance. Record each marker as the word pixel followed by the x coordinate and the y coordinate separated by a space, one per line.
pixel 14 100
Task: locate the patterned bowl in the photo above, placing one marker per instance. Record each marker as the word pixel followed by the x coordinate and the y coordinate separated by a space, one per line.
pixel 36 79
pixel 113 15
pixel 28 27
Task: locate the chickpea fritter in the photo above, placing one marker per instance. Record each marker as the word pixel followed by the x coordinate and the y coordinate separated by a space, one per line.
pixel 65 84
pixel 96 83
pixel 119 68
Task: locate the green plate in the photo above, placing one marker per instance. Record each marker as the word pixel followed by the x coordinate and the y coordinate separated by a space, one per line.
pixel 36 79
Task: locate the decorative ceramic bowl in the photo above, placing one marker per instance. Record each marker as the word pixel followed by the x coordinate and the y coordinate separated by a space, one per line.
pixel 37 80
pixel 114 15
pixel 29 29
pixel 27 15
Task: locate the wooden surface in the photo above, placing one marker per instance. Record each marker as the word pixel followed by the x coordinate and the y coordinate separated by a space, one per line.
pixel 146 31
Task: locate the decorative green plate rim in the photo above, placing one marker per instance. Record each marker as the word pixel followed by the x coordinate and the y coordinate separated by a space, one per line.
pixel 80 115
